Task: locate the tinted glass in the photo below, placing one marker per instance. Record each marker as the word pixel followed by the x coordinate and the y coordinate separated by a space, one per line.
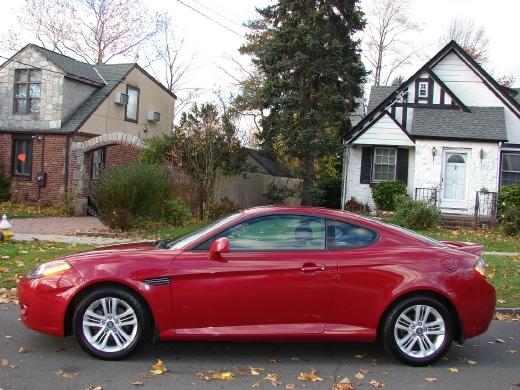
pixel 275 232
pixel 341 235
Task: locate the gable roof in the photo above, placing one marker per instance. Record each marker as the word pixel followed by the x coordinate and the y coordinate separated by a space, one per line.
pixel 482 123
pixel 272 167
pixel 73 68
pixel 378 93
pixel 452 46
pixel 113 74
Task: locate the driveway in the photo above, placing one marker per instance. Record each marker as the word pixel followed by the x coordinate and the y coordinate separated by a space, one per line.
pixel 58 363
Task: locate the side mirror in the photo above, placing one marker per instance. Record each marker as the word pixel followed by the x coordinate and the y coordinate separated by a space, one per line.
pixel 219 246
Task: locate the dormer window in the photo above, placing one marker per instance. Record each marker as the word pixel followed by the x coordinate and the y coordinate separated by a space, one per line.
pixel 423 89
pixel 27 83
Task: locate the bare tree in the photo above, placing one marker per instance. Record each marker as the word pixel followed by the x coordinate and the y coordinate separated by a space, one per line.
pixel 385 40
pixel 470 37
pixel 506 80
pixel 94 30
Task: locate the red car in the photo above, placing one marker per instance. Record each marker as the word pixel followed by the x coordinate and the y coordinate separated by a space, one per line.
pixel 268 273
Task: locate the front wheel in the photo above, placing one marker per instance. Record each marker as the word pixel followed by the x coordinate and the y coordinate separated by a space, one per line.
pixel 418 330
pixel 109 323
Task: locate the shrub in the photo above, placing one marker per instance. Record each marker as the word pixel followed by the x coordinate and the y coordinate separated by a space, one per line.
pixel 118 219
pixel 225 207
pixel 277 193
pixel 385 193
pixel 510 220
pixel 5 184
pixel 175 212
pixel 137 188
pixel 508 196
pixel 354 206
pixel 156 149
pixel 327 193
pixel 416 214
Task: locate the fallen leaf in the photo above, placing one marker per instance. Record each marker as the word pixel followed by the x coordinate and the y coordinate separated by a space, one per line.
pixel 202 377
pixel 512 351
pixel 430 379
pixel 158 368
pixel 255 385
pixel 5 362
pixel 309 377
pixel 452 369
pixel 359 356
pixel 344 384
pixel 273 378
pixel 500 341
pixel 359 376
pixel 66 375
pixel 290 386
pixel 471 362
pixel 22 350
pixel 274 360
pixel 375 383
pixel 137 383
pixel 256 370
pixel 501 301
pixel 295 359
pixel 223 376
pixel 94 388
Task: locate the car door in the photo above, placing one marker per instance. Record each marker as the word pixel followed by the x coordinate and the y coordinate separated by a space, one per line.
pixel 278 279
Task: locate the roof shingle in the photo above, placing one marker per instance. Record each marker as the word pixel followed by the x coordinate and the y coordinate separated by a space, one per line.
pixel 482 123
pixel 378 93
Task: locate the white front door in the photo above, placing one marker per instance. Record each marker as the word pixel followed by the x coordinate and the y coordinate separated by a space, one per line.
pixel 454 193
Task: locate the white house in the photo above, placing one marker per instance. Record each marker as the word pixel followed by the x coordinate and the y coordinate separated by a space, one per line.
pixel 448 132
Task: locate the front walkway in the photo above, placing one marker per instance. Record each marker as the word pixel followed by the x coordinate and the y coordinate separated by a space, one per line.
pixel 73 230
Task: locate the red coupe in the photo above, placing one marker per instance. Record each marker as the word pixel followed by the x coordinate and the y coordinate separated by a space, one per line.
pixel 268 273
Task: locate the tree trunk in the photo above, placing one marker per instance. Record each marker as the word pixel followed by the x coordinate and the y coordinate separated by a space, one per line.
pixel 308 179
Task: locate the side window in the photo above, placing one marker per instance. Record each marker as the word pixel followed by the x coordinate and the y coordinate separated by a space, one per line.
pixel 273 233
pixel 341 235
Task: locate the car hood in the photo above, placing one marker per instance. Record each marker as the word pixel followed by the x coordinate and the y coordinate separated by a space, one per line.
pixel 120 252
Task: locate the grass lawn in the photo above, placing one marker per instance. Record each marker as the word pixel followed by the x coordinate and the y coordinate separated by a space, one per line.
pixel 505 277
pixel 18 258
pixel 493 240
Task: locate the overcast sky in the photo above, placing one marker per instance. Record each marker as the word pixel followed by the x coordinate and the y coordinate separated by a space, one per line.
pixel 212 44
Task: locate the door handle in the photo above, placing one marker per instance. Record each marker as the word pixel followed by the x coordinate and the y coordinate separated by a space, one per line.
pixel 312 268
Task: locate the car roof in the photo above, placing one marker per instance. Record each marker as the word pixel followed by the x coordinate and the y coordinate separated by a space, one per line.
pixel 317 211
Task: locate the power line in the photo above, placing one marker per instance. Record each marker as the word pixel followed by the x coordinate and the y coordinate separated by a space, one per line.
pixel 210 18
pixel 218 13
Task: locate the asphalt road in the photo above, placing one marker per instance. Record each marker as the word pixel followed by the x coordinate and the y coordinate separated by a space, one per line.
pixel 495 368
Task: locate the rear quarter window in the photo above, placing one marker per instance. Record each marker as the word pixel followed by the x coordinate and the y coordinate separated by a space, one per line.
pixel 342 235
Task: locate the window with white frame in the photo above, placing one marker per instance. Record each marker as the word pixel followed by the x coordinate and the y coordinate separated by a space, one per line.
pixel 510 168
pixel 423 89
pixel 384 164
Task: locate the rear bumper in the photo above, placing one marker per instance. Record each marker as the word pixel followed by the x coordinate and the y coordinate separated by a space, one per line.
pixel 478 308
pixel 44 301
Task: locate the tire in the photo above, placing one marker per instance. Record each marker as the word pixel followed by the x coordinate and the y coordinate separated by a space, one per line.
pixel 406 337
pixel 110 323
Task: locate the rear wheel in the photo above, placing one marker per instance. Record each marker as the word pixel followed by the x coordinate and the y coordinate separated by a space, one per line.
pixel 418 330
pixel 109 323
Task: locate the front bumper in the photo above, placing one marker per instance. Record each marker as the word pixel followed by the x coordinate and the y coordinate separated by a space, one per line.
pixel 44 301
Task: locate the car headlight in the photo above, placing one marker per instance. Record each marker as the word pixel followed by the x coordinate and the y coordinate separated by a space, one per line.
pixel 480 267
pixel 50 268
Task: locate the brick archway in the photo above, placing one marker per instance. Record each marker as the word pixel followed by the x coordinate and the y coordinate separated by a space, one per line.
pixel 79 177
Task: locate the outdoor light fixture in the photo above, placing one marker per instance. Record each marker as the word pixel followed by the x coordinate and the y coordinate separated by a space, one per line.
pixel 481 154
pixel 434 153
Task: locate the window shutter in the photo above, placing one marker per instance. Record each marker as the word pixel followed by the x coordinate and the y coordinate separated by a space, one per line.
pixel 366 165
pixel 402 165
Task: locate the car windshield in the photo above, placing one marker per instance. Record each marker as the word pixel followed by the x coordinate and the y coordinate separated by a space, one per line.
pixel 409 232
pixel 192 237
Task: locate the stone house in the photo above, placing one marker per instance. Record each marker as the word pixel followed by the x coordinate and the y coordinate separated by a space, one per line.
pixel 450 132
pixel 62 121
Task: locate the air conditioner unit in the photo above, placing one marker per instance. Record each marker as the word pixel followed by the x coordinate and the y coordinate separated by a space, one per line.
pixel 121 98
pixel 154 116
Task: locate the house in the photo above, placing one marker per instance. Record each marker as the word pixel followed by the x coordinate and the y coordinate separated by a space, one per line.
pixel 450 132
pixel 63 120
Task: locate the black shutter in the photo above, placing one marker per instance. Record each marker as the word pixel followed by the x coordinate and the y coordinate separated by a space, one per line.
pixel 366 165
pixel 402 165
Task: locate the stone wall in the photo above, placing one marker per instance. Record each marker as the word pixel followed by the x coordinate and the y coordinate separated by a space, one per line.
pixel 51 93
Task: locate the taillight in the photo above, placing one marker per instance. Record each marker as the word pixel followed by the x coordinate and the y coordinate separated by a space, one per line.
pixel 480 267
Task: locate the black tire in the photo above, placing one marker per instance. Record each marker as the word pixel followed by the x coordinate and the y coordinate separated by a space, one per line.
pixel 389 339
pixel 141 314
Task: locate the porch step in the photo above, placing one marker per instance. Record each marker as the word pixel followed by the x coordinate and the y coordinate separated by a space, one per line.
pixel 457 220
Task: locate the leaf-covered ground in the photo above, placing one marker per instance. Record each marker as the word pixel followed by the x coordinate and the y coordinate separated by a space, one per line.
pixel 504 275
pixel 31 210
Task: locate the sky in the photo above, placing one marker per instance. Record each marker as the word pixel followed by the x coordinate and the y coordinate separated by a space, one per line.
pixel 211 44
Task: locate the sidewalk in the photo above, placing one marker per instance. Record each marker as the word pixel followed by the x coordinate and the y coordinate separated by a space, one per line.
pixel 63 229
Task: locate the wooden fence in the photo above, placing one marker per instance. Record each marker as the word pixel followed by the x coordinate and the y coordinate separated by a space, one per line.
pixel 247 189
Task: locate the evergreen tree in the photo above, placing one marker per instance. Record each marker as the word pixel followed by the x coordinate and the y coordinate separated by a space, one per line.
pixel 311 75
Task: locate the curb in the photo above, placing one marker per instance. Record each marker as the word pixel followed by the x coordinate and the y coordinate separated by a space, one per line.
pixel 508 310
